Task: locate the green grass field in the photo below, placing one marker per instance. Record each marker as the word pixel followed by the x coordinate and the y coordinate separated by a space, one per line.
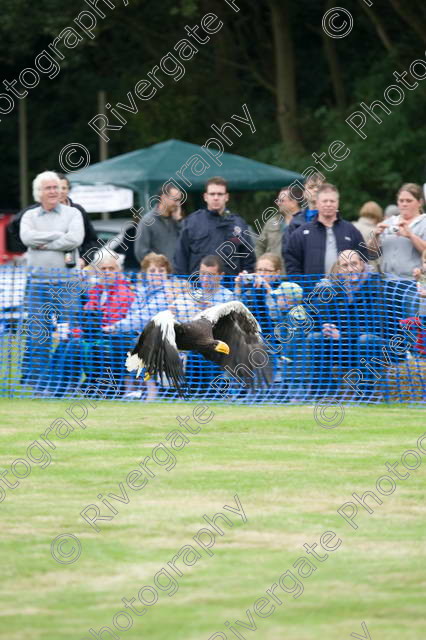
pixel 290 476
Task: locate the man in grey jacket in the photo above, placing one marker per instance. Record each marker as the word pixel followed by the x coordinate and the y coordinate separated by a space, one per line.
pixel 53 232
pixel 158 229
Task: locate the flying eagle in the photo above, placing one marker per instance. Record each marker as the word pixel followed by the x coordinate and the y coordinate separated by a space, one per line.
pixel 227 334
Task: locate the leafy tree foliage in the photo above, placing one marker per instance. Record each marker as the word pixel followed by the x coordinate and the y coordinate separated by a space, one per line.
pixel 299 84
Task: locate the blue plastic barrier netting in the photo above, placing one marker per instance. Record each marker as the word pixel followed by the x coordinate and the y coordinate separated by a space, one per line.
pixel 66 334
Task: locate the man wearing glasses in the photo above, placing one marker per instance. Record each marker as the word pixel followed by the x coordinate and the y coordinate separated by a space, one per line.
pixel 214 230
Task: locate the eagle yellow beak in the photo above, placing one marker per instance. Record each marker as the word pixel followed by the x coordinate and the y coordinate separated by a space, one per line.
pixel 146 377
pixel 222 347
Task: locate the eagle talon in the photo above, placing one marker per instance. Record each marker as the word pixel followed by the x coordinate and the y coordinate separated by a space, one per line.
pixel 222 347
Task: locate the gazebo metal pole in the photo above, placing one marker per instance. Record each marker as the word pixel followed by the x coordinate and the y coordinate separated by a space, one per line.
pixel 103 144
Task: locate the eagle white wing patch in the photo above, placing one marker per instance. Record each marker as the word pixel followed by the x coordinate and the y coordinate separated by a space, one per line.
pixel 166 322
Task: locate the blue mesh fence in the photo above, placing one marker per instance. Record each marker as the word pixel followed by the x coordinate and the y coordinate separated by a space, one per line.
pixel 66 334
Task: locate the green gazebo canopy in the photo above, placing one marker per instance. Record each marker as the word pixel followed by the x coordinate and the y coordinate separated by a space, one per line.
pixel 187 165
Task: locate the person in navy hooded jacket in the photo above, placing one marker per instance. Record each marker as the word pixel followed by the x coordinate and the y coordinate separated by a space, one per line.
pixel 215 230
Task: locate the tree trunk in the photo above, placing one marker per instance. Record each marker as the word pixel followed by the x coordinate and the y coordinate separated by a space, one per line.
pixel 380 29
pixel 413 21
pixel 334 65
pixel 285 73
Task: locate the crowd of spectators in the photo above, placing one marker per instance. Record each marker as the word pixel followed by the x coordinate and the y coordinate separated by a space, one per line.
pixel 374 267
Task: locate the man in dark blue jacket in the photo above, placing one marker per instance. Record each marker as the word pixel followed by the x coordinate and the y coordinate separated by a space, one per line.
pixel 214 230
pixel 313 248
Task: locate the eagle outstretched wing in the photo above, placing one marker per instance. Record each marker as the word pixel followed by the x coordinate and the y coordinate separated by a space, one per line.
pixel 156 351
pixel 235 325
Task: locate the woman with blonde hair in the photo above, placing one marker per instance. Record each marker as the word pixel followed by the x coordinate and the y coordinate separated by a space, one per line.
pixel 369 217
pixel 269 268
pixel 254 289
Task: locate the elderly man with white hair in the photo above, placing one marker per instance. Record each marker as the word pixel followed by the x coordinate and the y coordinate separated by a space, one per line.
pixel 52 230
